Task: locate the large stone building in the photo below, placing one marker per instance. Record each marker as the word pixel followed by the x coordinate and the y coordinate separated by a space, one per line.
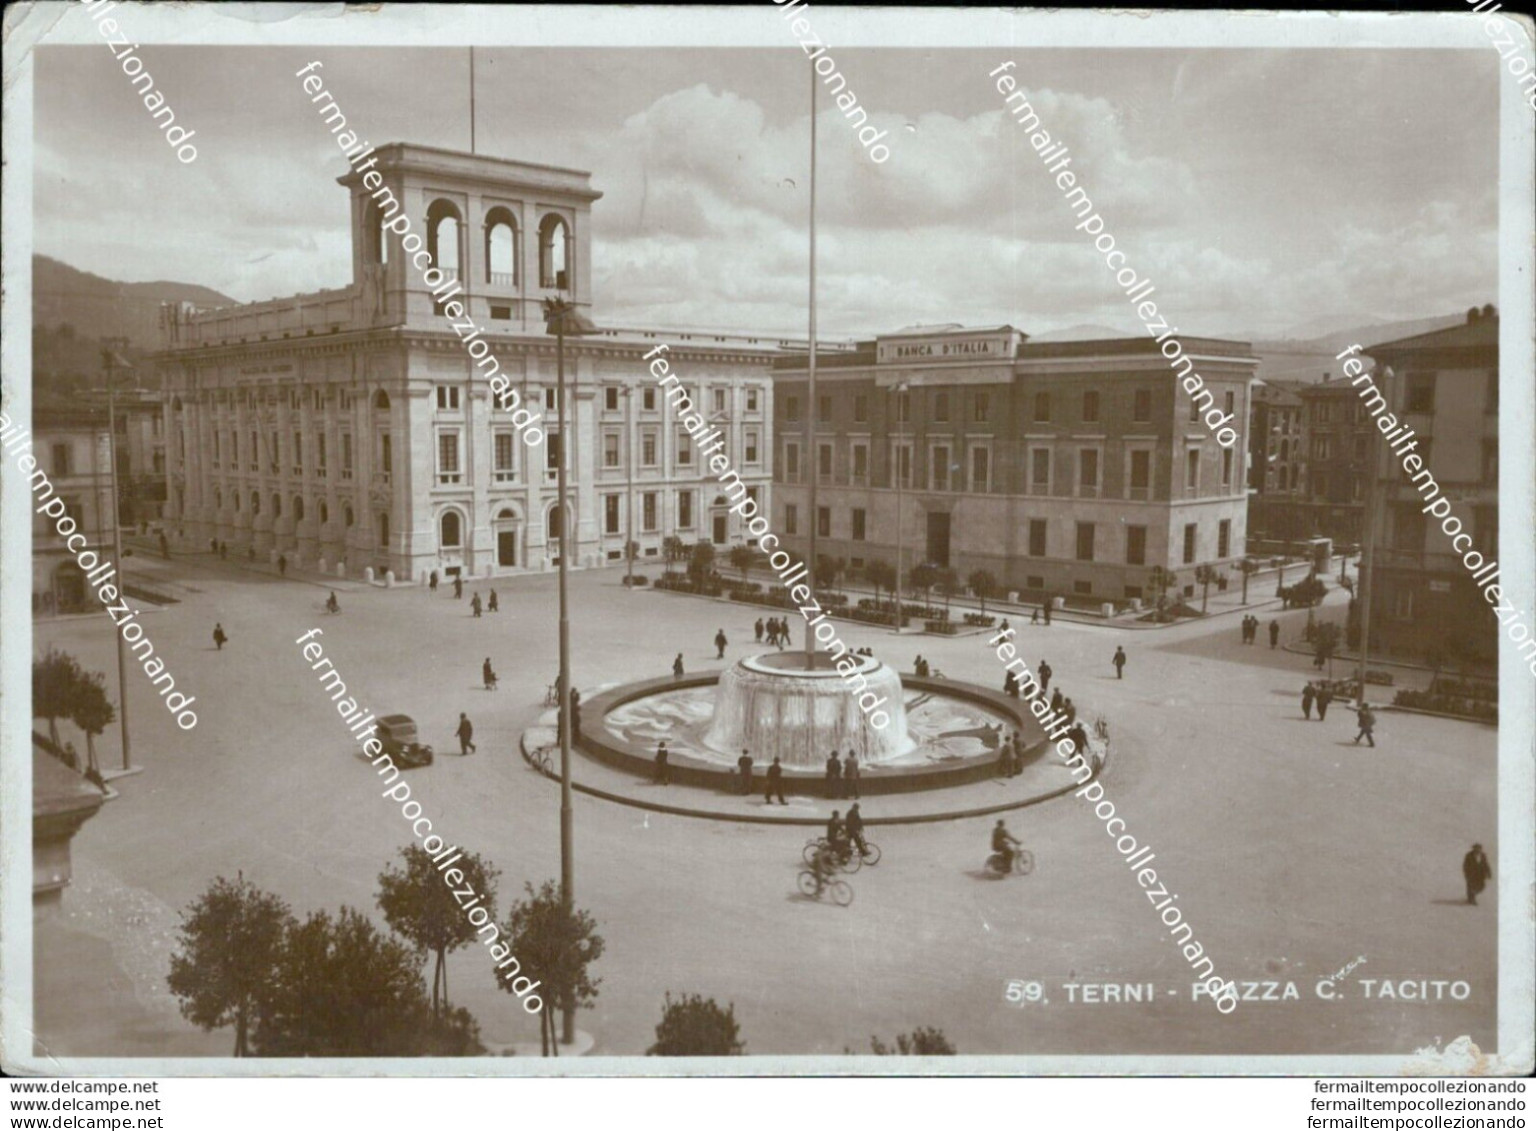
pixel 352 429
pixel 1445 387
pixel 71 445
pixel 1071 468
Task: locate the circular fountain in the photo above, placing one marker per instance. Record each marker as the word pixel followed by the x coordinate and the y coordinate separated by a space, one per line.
pixel 778 707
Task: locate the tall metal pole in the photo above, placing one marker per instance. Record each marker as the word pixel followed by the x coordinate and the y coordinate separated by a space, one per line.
pixel 812 456
pixel 471 99
pixel 567 860
pixel 1373 459
pixel 901 391
pixel 630 542
pixel 117 550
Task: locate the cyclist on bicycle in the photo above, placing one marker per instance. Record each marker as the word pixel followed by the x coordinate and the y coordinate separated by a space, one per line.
pixel 1004 844
pixel 853 828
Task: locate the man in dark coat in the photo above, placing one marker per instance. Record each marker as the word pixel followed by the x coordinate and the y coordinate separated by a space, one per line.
pixel 474 604
pixel 744 764
pixel 1119 662
pixel 1367 719
pixel 493 605
pixel 851 775
pixel 677 667
pixel 1308 693
pixel 757 630
pixel 775 787
pixel 1324 697
pixel 458 587
pixel 1474 866
pixel 1274 632
pixel 663 773
pixel 720 643
pixel 834 776
pixel 1045 677
pixel 218 637
pixel 464 734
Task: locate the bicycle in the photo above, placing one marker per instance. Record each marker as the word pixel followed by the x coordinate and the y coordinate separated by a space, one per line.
pixel 543 759
pixel 1023 863
pixel 811 887
pixel 849 860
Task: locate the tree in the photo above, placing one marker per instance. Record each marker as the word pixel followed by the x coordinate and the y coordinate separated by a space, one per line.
pixel 828 570
pixel 882 575
pixel 673 550
pixel 1204 576
pixel 226 967
pixel 56 679
pixel 926 1041
pixel 1325 642
pixel 1247 567
pixel 554 948
pixel 695 1026
pixel 742 557
pixel 421 908
pixel 1160 580
pixel 93 711
pixel 983 584
pixel 923 577
pixel 701 561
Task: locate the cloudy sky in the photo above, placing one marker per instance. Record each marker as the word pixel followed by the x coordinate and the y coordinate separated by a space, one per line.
pixel 1262 191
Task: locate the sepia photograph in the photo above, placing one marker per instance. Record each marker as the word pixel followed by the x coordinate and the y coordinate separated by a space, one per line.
pixel 766 540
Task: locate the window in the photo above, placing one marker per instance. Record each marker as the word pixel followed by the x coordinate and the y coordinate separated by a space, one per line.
pixel 823 409
pixel 791 408
pixel 448 457
pixel 551 399
pixel 552 455
pixel 981 407
pixel 386 455
pixel 1085 541
pixel 274 456
pixel 1141 411
pixel 1322 447
pixel 981 469
pixel 750 454
pixel 1194 410
pixel 503 457
pixel 448 398
pixel 1192 470
pixel 611 398
pixel 719 395
pixel 255 452
pixel 751 400
pixel 554 271
pixel 451 538
pixel 939 468
pixel 1037 537
pixel 1224 538
pixel 860 464
pixel 648 448
pixel 346 455
pixel 217 436
pixel 1190 530
pixel 1135 545
pixel 823 463
pixel 684 449
pixel 1323 412
pixel 941 406
pixel 319 454
pixel 1491 462
pixel 648 399
pixel 1040 470
pixel 1231 403
pixel 903 457
pixel 61 459
pixel 823 522
pixel 856 520
pixel 1226 467
pixel 648 511
pixel 1319 485
pixel 1043 407
pixel 860 408
pixel 384 529
pixel 610 449
pixel 501 313
pixel 1141 473
pixel 1409 525
pixel 1421 392
pixel 1360 447
pixel 1090 407
pixel 792 462
pixel 685 510
pixel 1402 603
pixel 1088 468
pixel 298 453
pixel 610 514
pixel 903 408
pixel 1490 393
pixel 791 519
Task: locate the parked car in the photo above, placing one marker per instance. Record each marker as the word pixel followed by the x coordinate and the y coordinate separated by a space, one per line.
pixel 397 734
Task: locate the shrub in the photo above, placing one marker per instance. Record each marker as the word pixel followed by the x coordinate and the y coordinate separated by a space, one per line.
pixel 980 620
pixel 638 580
pixel 943 627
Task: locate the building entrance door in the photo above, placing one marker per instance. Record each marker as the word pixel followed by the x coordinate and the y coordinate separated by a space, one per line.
pixel 506 547
pixel 938 538
pixel 719 531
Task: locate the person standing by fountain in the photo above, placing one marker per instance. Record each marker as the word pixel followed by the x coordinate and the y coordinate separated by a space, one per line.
pixel 757 630
pixel 663 773
pixel 834 777
pixel 851 779
pixel 775 787
pixel 720 643
pixel 744 763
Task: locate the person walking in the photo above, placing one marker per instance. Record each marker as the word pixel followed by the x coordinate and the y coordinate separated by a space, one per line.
pixel 851 775
pixel 1034 617
pixel 677 667
pixel 458 588
pixel 493 604
pixel 720 643
pixel 853 828
pixel 784 640
pixel 218 637
pixel 1324 697
pixel 488 675
pixel 1367 719
pixel 1070 708
pixel 757 631
pixel 744 764
pixel 1308 693
pixel 1056 698
pixel 575 715
pixel 432 582
pixel 1010 684
pixel 1005 625
pixel 1045 677
pixel 775 786
pixel 1050 599
pixel 1474 866
pixel 474 604
pixel 1119 662
pixel 465 734
pixel 282 565
pixel 834 776
pixel 1274 632
pixel 663 771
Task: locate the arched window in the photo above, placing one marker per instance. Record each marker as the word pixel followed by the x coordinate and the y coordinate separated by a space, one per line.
pixel 1282 479
pixel 554 271
pixel 443 237
pixel 500 248
pixel 451 537
pixel 347 516
pixel 255 503
pixel 556 517
pixel 384 530
pixel 325 513
pixel 381 399
pixel 298 509
pixel 507 513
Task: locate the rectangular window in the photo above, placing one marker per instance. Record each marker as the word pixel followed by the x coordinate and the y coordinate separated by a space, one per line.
pixel 648 448
pixel 1491 392
pixel 346 455
pixel 791 519
pixel 981 407
pixel 791 408
pixel 685 510
pixel 1043 407
pixel 860 464
pixel 504 455
pixel 217 436
pixel 1090 407
pixel 610 514
pixel 648 511
pixel 1226 467
pixel 684 449
pixel 823 522
pixel 939 469
pixel 1141 411
pixel 448 457
pixel 448 398
pixel 611 398
pixel 719 395
pixel 1224 538
pixel 255 452
pixel 1040 471
pixel 981 469
pixel 751 400
pixel 386 454
pixel 823 409
pixel 1231 401
pixel 1192 470
pixel 319 453
pixel 792 463
pixel 860 408
pixel 750 454
pixel 1421 392
pixel 610 449
pixel 1190 530
pixel 824 463
pixel 1135 545
pixel 61 459
pixel 1088 468
pixel 857 518
pixel 1037 537
pixel 502 313
pixel 648 399
pixel 1322 447
pixel 1085 541
pixel 1194 410
pixel 552 455
pixel 903 408
pixel 941 406
pixel 1141 474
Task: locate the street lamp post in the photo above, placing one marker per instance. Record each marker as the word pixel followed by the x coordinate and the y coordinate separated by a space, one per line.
pixel 111 360
pixel 562 318
pixel 900 389
pixel 631 544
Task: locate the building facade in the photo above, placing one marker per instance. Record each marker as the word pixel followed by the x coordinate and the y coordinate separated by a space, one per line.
pixel 1070 468
pixel 352 429
pixel 1336 449
pixel 71 445
pixel 1445 387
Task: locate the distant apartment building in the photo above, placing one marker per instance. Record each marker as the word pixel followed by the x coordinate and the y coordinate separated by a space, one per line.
pixel 1336 452
pixel 1071 468
pixel 141 466
pixel 71 446
pixel 1445 386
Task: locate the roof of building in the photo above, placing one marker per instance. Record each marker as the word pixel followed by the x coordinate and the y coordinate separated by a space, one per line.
pixel 57 789
pixel 1481 332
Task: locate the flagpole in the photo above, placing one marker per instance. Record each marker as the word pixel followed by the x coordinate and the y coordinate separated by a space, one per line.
pixel 811 455
pixel 471 99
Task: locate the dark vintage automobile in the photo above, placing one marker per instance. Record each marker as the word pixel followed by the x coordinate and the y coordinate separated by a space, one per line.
pixel 397 734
